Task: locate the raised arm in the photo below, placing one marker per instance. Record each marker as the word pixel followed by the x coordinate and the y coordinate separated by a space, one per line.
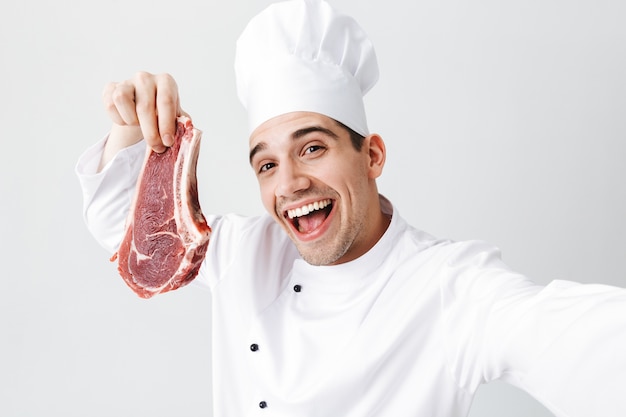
pixel 144 106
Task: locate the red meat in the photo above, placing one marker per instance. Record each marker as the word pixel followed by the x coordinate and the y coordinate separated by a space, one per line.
pixel 166 234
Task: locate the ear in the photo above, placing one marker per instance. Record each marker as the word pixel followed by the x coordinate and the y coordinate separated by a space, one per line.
pixel 377 154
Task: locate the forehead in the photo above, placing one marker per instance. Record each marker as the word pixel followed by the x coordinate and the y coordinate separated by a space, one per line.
pixel 287 125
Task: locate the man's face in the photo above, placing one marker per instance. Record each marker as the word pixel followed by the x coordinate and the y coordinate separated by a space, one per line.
pixel 317 186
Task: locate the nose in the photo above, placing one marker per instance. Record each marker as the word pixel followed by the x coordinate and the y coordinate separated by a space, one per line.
pixel 290 180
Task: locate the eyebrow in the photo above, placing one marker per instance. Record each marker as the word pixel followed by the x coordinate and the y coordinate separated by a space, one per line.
pixel 258 148
pixel 295 135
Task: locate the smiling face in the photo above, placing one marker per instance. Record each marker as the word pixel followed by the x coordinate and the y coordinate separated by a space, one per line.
pixel 318 187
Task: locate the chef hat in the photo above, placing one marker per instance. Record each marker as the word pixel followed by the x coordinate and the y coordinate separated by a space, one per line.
pixel 302 55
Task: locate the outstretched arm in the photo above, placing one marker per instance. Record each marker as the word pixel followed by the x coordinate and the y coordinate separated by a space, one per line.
pixel 144 106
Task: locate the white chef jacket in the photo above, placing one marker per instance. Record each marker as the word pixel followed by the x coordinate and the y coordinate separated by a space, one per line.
pixel 411 328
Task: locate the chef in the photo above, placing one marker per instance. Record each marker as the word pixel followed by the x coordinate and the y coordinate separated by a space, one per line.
pixel 330 304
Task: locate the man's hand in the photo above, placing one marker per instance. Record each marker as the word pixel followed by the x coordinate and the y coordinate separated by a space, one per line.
pixel 145 106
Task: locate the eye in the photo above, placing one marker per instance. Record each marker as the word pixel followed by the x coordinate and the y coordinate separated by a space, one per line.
pixel 312 149
pixel 266 167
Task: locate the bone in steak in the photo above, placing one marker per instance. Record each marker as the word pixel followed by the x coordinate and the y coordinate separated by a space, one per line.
pixel 166 234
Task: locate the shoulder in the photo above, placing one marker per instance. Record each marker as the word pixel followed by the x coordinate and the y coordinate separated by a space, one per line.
pixel 244 243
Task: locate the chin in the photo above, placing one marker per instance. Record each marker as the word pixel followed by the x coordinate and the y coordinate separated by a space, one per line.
pixel 327 254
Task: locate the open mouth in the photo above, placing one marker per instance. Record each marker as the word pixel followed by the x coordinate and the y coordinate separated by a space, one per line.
pixel 309 217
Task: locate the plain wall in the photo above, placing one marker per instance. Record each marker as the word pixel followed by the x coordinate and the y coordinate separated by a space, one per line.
pixel 504 121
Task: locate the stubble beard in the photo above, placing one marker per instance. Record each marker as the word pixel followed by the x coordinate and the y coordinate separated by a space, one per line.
pixel 330 249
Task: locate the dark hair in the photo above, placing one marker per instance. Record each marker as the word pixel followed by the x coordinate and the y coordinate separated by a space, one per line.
pixel 355 138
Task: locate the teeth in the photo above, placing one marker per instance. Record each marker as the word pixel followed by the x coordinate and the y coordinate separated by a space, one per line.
pixel 308 208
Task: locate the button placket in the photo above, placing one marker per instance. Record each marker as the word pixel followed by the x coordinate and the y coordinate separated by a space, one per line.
pixel 260 344
pixel 254 347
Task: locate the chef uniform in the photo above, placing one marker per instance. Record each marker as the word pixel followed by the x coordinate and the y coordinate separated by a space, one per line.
pixel 410 328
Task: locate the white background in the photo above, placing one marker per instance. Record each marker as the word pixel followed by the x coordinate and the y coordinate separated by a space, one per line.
pixel 504 121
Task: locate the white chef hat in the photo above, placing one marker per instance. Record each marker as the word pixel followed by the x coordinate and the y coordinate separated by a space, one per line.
pixel 302 55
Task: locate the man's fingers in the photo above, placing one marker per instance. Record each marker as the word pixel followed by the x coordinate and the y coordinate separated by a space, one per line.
pixel 123 97
pixel 109 104
pixel 146 100
pixel 168 107
pixel 145 108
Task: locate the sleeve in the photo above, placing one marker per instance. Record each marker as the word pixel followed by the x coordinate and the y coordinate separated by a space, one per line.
pixel 564 343
pixel 581 368
pixel 108 194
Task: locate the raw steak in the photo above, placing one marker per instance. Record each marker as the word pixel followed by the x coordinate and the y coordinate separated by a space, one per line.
pixel 166 234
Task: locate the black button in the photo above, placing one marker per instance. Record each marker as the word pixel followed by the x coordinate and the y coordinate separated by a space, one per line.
pixel 254 347
pixel 297 288
pixel 263 404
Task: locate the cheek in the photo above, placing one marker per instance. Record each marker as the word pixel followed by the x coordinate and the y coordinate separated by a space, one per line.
pixel 350 177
